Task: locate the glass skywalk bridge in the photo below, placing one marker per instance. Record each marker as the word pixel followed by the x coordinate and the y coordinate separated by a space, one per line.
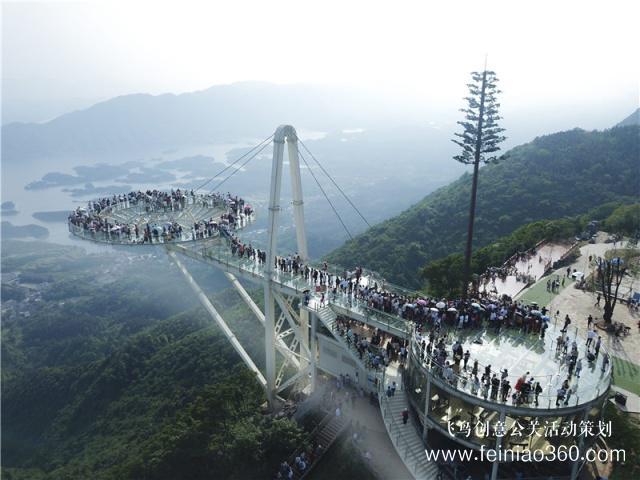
pixel 217 251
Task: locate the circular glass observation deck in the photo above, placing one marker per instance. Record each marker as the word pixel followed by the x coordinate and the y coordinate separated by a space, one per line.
pixel 155 217
pixel 464 410
pixel 522 355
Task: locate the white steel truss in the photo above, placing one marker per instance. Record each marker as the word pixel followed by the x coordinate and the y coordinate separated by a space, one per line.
pixel 288 332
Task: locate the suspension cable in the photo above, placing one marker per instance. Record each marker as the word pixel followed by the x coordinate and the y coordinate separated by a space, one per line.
pixel 334 182
pixel 268 139
pixel 240 167
pixel 325 195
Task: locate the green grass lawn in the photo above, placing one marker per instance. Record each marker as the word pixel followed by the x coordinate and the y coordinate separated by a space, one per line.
pixel 626 375
pixel 538 292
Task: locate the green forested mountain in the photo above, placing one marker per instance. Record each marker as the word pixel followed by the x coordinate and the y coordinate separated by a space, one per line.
pixel 109 372
pixel 554 176
pixel 633 119
pixel 444 275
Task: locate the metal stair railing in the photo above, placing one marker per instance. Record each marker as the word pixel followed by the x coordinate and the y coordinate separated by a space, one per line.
pixel 349 345
pixel 395 430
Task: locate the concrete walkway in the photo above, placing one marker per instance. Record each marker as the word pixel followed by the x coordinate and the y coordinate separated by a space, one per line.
pixel 366 418
pixel 579 304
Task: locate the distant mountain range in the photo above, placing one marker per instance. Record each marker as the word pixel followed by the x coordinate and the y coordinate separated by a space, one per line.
pixel 553 176
pixel 220 114
pixel 633 119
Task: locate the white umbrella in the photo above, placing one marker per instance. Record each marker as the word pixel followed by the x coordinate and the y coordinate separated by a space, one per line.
pixel 433 309
pixel 535 312
pixel 476 305
pixel 452 310
pixel 441 304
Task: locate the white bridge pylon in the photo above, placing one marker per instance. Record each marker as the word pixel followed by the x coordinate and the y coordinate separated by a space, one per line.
pixel 284 133
pixel 286 328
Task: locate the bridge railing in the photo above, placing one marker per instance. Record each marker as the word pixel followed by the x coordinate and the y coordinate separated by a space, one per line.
pixel 221 252
pixel 118 237
pixel 547 399
pixel 392 322
pixel 410 456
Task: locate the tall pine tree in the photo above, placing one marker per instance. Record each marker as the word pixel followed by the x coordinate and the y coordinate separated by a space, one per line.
pixel 480 141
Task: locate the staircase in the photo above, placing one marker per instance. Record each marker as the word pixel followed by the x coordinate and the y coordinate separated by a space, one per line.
pixel 325 434
pixel 405 438
pixel 328 318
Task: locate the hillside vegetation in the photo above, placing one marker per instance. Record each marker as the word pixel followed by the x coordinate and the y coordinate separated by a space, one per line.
pixel 554 176
pixel 109 372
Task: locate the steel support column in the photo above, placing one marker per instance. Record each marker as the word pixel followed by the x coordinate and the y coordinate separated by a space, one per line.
pixel 313 351
pixel 206 303
pixel 245 296
pixel 304 334
pixel 296 188
pixel 496 464
pixel 575 467
pixel 283 133
pixel 427 402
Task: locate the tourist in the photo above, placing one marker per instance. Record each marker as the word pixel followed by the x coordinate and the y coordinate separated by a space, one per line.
pixel 405 416
pixel 475 385
pixel 474 370
pixel 448 373
pixel 605 362
pixel 486 383
pixel 578 368
pixel 506 389
pixel 495 384
pixel 537 390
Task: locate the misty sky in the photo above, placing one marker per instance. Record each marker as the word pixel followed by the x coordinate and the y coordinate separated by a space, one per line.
pixel 62 56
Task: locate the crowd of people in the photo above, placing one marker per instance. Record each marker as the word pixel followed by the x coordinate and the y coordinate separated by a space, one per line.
pixel 510 268
pixel 99 220
pixel 375 348
pixel 339 397
pixel 300 464
pixel 459 370
pixel 436 322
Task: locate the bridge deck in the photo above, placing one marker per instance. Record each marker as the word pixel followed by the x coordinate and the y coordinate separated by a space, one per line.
pixel 217 252
pixel 510 349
